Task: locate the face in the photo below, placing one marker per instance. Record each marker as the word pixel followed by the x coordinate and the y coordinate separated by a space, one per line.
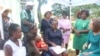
pixel 5 13
pixel 34 31
pixel 30 7
pixel 64 16
pixel 83 15
pixel 38 38
pixel 54 25
pixel 48 15
pixel 91 24
pixel 18 33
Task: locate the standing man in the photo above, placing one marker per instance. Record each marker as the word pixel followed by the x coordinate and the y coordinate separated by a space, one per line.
pixel 26 16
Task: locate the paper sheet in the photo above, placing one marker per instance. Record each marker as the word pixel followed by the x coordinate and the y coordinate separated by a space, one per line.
pixel 58 49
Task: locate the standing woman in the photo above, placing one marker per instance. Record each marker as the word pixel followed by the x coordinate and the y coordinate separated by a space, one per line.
pixel 65 25
pixel 13 47
pixel 81 31
pixel 6 22
pixel 45 23
pixel 93 39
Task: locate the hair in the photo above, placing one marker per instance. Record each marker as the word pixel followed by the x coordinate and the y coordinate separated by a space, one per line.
pixel 12 28
pixel 65 13
pixel 32 27
pixel 7 10
pixel 78 14
pixel 86 11
pixel 47 13
pixel 55 21
pixel 96 25
pixel 38 38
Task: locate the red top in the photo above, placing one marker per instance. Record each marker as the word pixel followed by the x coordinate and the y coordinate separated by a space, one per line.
pixel 41 44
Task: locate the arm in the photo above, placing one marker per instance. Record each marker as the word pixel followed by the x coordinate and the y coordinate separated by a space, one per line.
pixel 24 18
pixel 84 31
pixel 88 41
pixel 36 49
pixel 74 27
pixel 76 31
pixel 69 26
pixel 98 49
pixel 46 38
pixel 62 40
pixel 43 49
pixel 8 50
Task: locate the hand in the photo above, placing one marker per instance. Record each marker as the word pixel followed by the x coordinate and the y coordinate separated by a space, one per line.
pixel 61 28
pixel 90 52
pixel 53 44
pixel 64 30
pixel 45 49
pixel 62 45
pixel 85 46
pixel 77 32
pixel 86 54
pixel 30 24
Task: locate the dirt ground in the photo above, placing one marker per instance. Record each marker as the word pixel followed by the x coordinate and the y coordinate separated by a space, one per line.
pixel 71 53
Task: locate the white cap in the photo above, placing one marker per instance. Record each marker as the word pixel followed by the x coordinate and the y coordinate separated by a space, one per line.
pixel 29 3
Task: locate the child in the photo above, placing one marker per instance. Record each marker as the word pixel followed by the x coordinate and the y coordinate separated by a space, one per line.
pixel 41 44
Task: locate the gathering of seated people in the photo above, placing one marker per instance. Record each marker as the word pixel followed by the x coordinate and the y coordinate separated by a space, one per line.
pixel 55 34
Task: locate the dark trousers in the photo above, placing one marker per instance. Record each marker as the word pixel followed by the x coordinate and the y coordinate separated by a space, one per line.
pixel 46 53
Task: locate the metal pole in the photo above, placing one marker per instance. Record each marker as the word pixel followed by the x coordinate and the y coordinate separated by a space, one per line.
pixel 1 27
pixel 70 9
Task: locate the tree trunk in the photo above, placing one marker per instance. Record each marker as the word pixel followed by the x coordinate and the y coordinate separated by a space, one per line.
pixel 39 11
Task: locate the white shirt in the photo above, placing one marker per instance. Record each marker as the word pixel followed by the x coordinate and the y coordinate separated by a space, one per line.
pixel 17 50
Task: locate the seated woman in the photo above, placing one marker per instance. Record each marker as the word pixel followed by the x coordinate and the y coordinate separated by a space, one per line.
pixel 53 36
pixel 93 39
pixel 29 42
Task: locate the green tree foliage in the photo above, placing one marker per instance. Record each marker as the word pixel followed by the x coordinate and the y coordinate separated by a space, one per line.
pixel 94 9
pixel 57 9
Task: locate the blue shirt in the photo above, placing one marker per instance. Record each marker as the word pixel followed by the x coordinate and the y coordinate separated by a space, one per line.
pixel 45 25
pixel 94 40
pixel 55 37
